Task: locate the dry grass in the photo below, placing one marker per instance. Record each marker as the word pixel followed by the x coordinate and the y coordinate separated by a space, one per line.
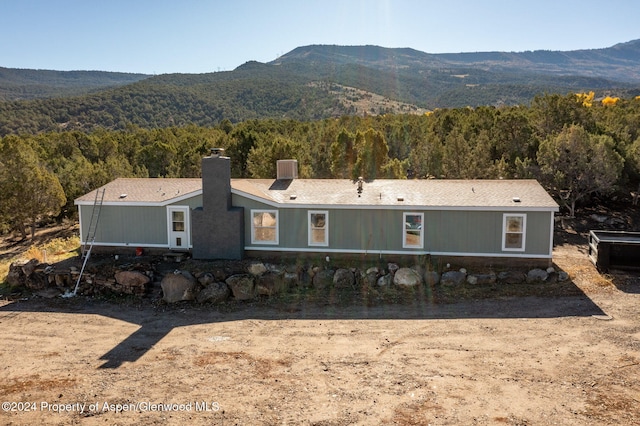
pixel 52 251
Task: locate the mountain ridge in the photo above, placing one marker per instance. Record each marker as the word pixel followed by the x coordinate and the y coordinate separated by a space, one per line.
pixel 23 83
pixel 311 83
pixel 598 61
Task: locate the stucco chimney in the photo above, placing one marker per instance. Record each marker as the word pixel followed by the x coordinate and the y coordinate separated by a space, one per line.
pixel 217 226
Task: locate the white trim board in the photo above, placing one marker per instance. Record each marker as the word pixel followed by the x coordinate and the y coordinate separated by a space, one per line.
pixel 400 252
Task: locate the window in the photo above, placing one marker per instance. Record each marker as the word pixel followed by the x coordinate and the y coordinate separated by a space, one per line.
pixel 264 226
pixel 177 220
pixel 413 234
pixel 318 228
pixel 513 235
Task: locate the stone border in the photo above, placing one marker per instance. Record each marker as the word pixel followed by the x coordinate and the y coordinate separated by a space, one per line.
pixel 254 279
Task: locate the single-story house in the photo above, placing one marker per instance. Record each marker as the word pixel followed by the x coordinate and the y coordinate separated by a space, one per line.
pixel 217 217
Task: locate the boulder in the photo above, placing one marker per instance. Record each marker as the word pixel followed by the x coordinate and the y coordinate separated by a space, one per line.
pixel 407 277
pixel 392 267
pixel 290 279
pixel 132 282
pixel 62 280
pixel 313 270
pixel 482 279
pixel 257 268
pixel 431 277
pixel 323 278
pixel 215 292
pixel 29 267
pixel 537 275
pixel 219 274
pixel 511 277
pixel 206 279
pixel 276 269
pixel 99 283
pixel 385 280
pixel 563 276
pixel 270 283
pixel 453 278
pixel 24 274
pixel 343 278
pixel 371 276
pixel 15 277
pixel 242 286
pixel 178 286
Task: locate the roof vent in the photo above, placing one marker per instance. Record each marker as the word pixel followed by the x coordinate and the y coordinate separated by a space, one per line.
pixel 516 199
pixel 123 195
pixel 287 169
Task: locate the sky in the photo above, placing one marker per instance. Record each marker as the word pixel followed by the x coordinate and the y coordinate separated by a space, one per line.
pixel 200 36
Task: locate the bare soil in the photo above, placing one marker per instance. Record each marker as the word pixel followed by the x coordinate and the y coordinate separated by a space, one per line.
pixel 568 356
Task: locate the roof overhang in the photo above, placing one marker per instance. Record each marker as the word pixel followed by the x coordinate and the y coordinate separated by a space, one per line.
pixel 163 203
pixel 399 206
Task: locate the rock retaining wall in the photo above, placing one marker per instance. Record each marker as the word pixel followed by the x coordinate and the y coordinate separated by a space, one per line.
pixel 252 280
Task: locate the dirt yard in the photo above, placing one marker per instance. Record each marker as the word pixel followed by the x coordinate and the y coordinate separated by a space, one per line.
pixel 562 360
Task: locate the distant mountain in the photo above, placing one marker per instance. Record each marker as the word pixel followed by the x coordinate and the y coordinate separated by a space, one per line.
pixel 617 63
pixel 31 84
pixel 310 83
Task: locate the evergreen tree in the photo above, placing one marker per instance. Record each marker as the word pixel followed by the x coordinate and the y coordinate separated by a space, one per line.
pixel 30 192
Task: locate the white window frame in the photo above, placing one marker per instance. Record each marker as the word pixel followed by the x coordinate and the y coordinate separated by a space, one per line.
pixel 404 230
pixel 253 228
pixel 505 217
pixel 310 241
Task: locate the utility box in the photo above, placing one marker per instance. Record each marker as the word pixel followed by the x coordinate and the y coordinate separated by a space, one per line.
pixel 614 250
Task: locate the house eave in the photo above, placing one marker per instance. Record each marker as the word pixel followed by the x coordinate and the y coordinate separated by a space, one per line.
pixel 163 203
pixel 399 206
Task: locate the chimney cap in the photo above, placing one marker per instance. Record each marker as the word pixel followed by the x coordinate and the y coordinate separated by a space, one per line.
pixel 217 152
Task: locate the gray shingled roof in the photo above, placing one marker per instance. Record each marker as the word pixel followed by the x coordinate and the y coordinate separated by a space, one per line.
pixel 342 192
pixel 393 192
pixel 144 190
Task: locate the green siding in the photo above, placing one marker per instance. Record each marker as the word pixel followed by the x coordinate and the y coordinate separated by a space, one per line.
pixel 193 203
pixel 372 230
pixel 128 224
pixel 132 225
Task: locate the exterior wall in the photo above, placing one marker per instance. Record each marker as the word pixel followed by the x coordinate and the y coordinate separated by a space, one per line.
pixel 446 232
pixel 127 225
pixel 135 226
pixel 192 203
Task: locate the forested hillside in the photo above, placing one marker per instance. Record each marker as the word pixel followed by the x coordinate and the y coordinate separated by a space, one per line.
pixel 310 83
pixel 20 84
pixel 575 145
pixel 616 63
